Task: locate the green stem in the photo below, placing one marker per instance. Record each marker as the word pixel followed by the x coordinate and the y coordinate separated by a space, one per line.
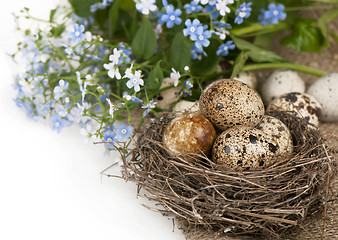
pixel 291 66
pixel 257 27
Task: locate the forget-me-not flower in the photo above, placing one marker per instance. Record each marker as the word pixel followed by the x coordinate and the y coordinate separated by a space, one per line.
pixel 272 15
pixel 148 106
pixel 224 48
pixel 175 75
pixel 57 123
pixel 202 39
pixel 134 79
pixel 222 6
pixel 60 90
pixel 123 132
pixel 243 11
pixel 77 34
pixel 171 16
pixel 146 6
pixel 192 7
pixel 192 29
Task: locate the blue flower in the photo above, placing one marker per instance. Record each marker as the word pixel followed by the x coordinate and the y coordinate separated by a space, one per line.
pixel 197 53
pixel 123 132
pixel 202 39
pixel 224 48
pixel 57 123
pixel 96 6
pixel 126 52
pixel 109 136
pixel 171 16
pixel 77 34
pixel 192 29
pixel 148 107
pixel 61 89
pixel 192 7
pixel 243 11
pixel 210 8
pixel 187 85
pixel 272 15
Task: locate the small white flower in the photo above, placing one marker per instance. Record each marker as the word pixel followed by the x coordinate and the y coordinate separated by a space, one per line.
pixel 222 7
pixel 113 71
pixel 146 6
pixel 115 57
pixel 175 76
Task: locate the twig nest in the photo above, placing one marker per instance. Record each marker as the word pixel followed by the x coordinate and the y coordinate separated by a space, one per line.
pixel 280 82
pixel 185 106
pixel 166 98
pixel 244 148
pixel 249 78
pixel 227 103
pixel 279 132
pixel 304 105
pixel 189 133
pixel 325 90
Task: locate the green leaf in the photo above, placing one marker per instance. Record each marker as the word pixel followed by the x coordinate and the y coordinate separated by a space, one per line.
pixel 113 17
pixel 52 14
pixel 155 78
pixel 58 30
pixel 306 36
pixel 144 42
pixel 127 5
pixel 257 54
pixel 207 65
pixel 82 7
pixel 239 63
pixel 180 52
pixel 324 19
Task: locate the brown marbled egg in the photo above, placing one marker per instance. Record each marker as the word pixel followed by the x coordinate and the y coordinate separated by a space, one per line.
pixel 189 133
pixel 279 132
pixel 244 148
pixel 227 103
pixel 304 105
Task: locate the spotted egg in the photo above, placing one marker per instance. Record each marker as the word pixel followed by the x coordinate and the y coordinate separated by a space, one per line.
pixel 325 90
pixel 228 103
pixel 244 148
pixel 280 82
pixel 279 132
pixel 249 78
pixel 189 133
pixel 304 105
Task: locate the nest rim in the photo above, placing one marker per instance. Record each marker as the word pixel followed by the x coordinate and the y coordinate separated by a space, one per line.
pixel 240 204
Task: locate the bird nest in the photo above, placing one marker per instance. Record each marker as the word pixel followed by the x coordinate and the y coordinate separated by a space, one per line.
pixel 270 202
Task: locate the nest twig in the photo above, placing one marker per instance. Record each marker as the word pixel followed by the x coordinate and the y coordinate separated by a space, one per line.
pixel 266 202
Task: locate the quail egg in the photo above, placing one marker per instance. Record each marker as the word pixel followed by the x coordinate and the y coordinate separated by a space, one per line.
pixel 248 78
pixel 189 133
pixel 325 90
pixel 227 103
pixel 244 148
pixel 166 98
pixel 304 105
pixel 279 132
pixel 280 82
pixel 185 106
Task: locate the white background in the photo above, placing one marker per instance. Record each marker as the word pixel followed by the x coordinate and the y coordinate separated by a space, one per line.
pixel 50 184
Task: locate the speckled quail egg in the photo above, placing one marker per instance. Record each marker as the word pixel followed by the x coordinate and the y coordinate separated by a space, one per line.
pixel 279 132
pixel 166 98
pixel 227 103
pixel 185 106
pixel 304 105
pixel 244 148
pixel 189 133
pixel 325 90
pixel 280 82
pixel 249 78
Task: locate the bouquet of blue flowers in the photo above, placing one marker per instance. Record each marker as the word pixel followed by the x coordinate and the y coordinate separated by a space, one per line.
pixel 95 63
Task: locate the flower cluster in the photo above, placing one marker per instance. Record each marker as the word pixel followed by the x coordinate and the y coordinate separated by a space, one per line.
pixel 80 68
